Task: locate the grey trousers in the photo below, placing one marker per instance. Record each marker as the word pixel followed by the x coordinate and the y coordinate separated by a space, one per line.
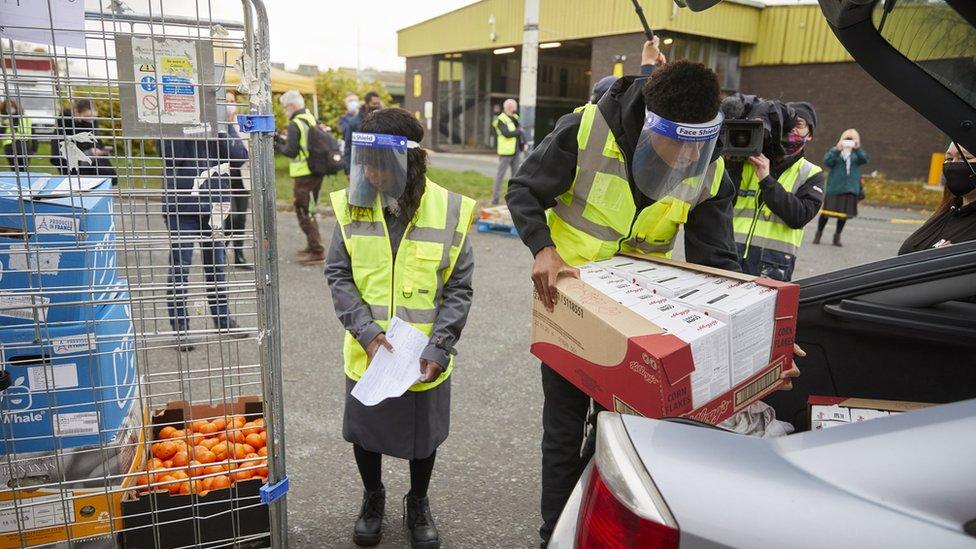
pixel 504 163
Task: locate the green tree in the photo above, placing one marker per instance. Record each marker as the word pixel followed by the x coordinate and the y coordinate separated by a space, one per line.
pixel 334 85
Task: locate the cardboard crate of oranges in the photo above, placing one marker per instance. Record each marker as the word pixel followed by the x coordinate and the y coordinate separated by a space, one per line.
pixel 202 478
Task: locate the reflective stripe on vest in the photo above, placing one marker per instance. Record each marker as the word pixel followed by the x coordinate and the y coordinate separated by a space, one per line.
pixel 506 145
pixel 596 218
pixel 22 129
pixel 762 228
pixel 414 288
pixel 298 166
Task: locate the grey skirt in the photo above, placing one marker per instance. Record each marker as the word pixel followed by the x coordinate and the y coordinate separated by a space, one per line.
pixel 408 427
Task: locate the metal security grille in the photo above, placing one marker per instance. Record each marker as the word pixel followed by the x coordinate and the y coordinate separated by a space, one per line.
pixel 141 395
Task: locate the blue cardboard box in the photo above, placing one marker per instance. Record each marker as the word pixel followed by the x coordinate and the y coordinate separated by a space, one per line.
pixel 57 247
pixel 78 383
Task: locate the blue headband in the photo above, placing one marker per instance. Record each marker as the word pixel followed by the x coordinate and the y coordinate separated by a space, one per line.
pixel 681 131
pixel 382 141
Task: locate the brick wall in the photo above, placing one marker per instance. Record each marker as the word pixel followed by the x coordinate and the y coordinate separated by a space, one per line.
pixel 899 141
pixel 426 67
pixel 606 47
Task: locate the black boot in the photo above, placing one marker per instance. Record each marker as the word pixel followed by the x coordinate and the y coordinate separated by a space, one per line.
pixel 369 525
pixel 816 237
pixel 837 240
pixel 240 262
pixel 423 533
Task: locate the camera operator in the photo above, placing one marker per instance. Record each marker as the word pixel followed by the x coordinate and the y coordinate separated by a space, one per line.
pixel 779 190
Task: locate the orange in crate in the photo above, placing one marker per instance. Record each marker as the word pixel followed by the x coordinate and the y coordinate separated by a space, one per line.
pixel 255 440
pixel 228 448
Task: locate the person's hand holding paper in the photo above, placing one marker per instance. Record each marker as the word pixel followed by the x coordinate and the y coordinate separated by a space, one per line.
pixel 394 364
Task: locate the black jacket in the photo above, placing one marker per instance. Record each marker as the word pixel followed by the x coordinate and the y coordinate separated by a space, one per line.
pixel 955 225
pixel 797 208
pixel 550 168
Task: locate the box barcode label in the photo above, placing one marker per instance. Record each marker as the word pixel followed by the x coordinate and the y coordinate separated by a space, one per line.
pixel 76 424
pixel 50 377
pixel 33 513
pixel 765 382
pixel 21 306
pixel 622 407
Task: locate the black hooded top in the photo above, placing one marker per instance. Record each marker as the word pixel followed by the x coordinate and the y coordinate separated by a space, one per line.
pixel 550 168
pixel 956 224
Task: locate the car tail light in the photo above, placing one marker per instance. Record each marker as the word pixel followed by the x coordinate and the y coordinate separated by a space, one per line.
pixel 621 506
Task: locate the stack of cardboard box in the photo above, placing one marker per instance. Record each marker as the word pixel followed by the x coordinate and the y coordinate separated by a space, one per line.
pixel 827 412
pixel 70 423
pixel 66 330
pixel 498 215
pixel 70 493
pixel 662 338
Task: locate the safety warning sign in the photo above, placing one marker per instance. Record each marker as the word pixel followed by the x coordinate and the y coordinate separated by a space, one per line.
pixel 174 65
pixel 172 85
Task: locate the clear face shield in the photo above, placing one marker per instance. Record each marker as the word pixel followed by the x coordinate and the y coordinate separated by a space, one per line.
pixel 669 154
pixel 378 168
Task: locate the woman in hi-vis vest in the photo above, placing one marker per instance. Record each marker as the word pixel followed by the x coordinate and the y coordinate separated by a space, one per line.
pixel 399 258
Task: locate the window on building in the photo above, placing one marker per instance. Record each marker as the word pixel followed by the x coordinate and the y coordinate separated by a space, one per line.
pixel 463 107
pixel 694 49
pixel 719 55
pixel 505 71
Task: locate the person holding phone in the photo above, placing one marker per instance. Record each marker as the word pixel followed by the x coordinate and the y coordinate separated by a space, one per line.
pixel 844 188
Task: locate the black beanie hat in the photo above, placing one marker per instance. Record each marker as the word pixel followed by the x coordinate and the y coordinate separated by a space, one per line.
pixel 805 111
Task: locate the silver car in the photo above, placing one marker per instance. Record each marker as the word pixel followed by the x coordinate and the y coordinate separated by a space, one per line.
pixel 902 481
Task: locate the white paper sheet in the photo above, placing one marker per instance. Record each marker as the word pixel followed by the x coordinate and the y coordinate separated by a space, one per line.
pixel 391 374
pixel 32 22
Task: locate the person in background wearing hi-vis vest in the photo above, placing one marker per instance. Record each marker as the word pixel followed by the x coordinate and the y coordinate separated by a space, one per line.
pixel 294 145
pixel 509 142
pixel 400 248
pixel 15 132
pixel 621 175
pixel 777 198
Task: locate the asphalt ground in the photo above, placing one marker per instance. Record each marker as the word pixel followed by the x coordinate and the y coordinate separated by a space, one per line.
pixel 485 488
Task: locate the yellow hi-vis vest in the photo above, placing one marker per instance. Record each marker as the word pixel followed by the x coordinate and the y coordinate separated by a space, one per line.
pixel 761 227
pixel 410 286
pixel 595 218
pixel 299 165
pixel 20 131
pixel 506 145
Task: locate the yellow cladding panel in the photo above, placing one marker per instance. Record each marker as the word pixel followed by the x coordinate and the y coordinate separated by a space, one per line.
pixel 793 35
pixel 464 29
pixel 928 32
pixel 588 18
pixel 467 29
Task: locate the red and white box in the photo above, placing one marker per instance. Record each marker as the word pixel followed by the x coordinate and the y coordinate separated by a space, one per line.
pixel 630 364
pixel 828 411
pixel 750 311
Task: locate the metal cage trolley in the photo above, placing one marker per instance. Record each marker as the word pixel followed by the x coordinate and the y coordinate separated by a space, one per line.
pixel 140 390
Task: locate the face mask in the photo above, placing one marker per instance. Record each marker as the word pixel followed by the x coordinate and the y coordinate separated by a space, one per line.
pixel 794 142
pixel 959 177
pixel 352 106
